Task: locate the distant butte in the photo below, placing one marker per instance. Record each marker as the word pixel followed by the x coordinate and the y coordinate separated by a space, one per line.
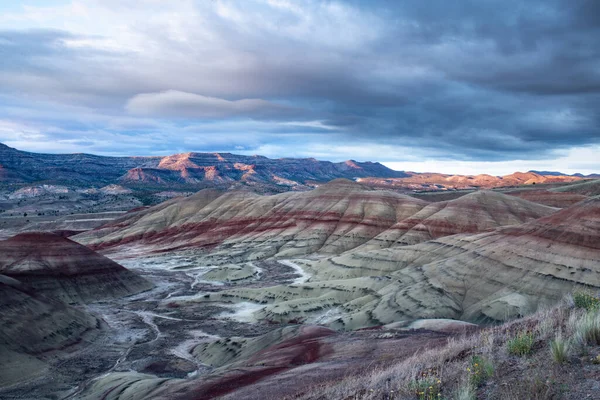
pixel 194 171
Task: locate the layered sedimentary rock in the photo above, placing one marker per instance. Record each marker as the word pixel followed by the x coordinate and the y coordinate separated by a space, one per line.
pixel 475 212
pixel 336 217
pixel 587 188
pixel 241 225
pixel 560 199
pixel 483 277
pixel 281 364
pixel 65 270
pixel 485 256
pixel 488 276
pixel 32 325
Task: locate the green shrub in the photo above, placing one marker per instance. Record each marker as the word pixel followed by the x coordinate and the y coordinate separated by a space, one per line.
pixel 586 300
pixel 479 371
pixel 521 345
pixel 427 388
pixel 559 348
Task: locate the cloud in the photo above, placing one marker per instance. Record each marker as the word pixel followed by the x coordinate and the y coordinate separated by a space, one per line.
pixel 173 103
pixel 468 80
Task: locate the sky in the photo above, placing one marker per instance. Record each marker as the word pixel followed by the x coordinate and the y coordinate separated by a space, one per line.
pixel 470 86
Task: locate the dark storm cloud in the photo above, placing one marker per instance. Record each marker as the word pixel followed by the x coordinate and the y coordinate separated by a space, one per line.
pixel 468 80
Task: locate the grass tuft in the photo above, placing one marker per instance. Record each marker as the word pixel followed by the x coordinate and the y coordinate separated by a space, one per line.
pixel 587 329
pixel 559 349
pixel 521 345
pixel 465 392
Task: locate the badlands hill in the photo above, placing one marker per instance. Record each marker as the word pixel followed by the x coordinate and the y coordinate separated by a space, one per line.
pixel 330 219
pixel 57 267
pixel 33 327
pixel 475 212
pixel 336 217
pixel 552 198
pixel 587 188
pixel 485 256
pixel 488 276
pixel 485 277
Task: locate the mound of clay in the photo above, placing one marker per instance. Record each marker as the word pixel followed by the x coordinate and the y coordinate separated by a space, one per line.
pixel 436 325
pixel 550 198
pixel 281 364
pixel 484 277
pixel 475 212
pixel 241 225
pixel 488 276
pixel 62 269
pixel 33 324
pixel 587 188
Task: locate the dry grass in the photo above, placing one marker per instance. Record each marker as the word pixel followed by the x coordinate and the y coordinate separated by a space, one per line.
pixel 447 371
pixel 560 348
pixel 586 329
pixel 465 392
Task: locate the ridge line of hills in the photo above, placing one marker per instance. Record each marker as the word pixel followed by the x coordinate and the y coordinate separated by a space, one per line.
pixel 186 169
pixel 193 171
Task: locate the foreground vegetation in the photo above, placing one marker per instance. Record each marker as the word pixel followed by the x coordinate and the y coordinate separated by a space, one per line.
pixel 552 354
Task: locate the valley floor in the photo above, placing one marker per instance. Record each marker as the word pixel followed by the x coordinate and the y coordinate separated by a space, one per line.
pixel 152 337
pixel 154 333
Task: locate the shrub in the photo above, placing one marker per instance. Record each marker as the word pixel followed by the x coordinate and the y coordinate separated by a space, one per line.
pixel 427 388
pixel 586 300
pixel 521 345
pixel 479 371
pixel 559 348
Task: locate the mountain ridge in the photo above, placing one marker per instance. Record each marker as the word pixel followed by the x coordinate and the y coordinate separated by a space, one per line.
pixel 185 169
pixel 196 170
